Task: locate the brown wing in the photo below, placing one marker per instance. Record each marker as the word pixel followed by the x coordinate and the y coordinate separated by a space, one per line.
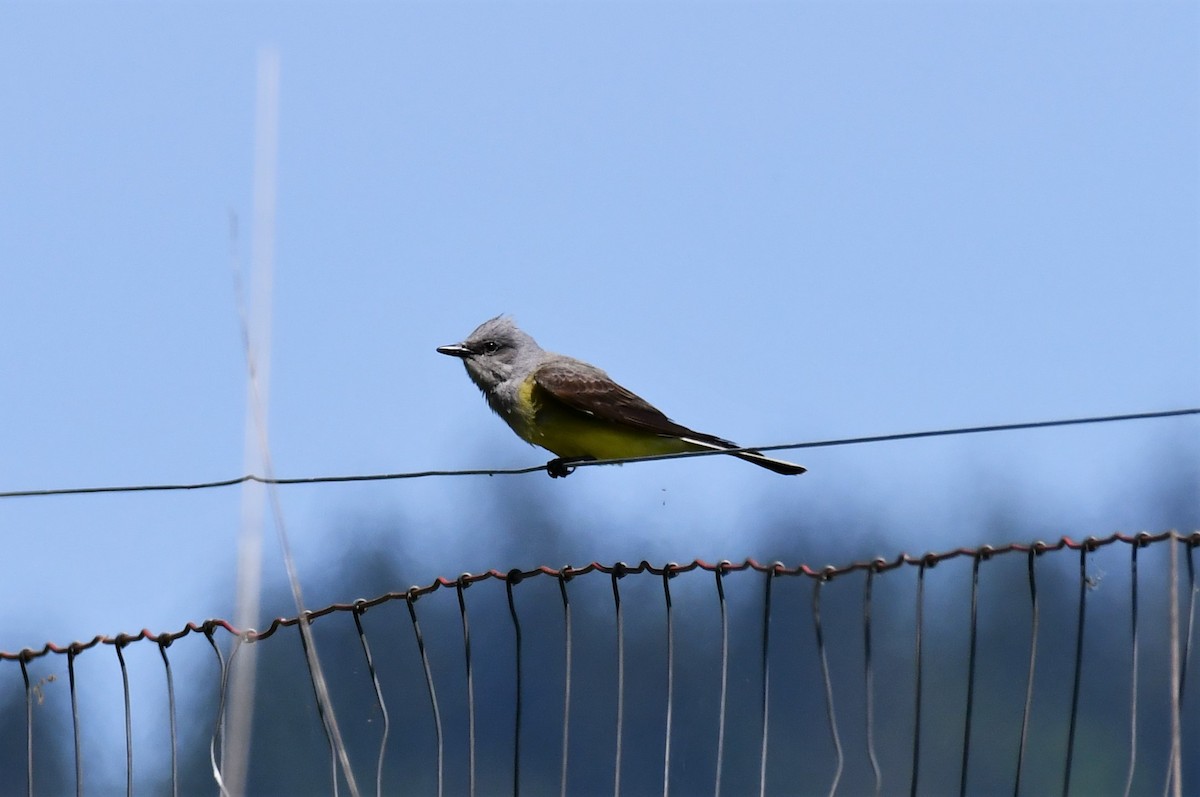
pixel 588 389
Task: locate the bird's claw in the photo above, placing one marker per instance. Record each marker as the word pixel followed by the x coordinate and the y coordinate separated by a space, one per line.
pixel 562 467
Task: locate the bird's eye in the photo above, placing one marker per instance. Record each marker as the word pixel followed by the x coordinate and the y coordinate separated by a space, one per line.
pixel 490 347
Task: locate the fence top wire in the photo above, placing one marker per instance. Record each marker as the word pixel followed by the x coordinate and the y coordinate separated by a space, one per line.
pixel 618 570
pixel 551 466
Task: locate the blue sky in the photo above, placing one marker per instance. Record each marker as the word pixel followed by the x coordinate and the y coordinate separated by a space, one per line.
pixel 778 222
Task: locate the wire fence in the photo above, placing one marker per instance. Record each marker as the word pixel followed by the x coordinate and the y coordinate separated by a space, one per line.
pixel 641 679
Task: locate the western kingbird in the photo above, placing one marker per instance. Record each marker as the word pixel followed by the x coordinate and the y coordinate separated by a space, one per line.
pixel 572 408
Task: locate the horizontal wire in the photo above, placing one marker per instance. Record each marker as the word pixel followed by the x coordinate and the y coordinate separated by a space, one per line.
pixel 617 571
pixel 846 441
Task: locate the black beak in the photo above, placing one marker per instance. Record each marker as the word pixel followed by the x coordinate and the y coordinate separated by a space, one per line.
pixel 455 350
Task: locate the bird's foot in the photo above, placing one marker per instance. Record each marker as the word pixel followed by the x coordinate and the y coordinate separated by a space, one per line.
pixel 562 467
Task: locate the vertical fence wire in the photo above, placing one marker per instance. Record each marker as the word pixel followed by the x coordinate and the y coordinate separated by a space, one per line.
pixel 830 715
pixel 1176 755
pixel 719 573
pixel 164 641
pixel 215 742
pixel 1133 664
pixel 75 723
pixel 461 586
pixel 120 648
pixel 916 754
pixel 513 577
pixel 316 683
pixel 972 648
pixel 1083 588
pixel 411 599
pixel 28 729
pixel 766 680
pixel 1187 645
pixel 1034 551
pixel 869 675
pixel 667 575
pixel 314 680
pixel 359 609
pixel 566 724
pixel 618 573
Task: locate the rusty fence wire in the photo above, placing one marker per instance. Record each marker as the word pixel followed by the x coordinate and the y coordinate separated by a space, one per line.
pixel 1035 668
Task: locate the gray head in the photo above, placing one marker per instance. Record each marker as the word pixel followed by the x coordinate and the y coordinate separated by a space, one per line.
pixel 496 352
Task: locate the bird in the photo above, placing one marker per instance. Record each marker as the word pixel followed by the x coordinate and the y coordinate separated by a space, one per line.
pixel 574 409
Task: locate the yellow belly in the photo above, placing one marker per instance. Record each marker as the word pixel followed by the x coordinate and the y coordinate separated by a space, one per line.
pixel 571 433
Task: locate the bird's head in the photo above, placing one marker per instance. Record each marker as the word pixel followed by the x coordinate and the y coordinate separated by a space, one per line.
pixel 496 352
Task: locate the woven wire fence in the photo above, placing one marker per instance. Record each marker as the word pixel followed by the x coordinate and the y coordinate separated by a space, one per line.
pixel 1030 668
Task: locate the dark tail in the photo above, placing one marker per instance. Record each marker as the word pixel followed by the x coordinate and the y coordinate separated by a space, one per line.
pixel 758 458
pixel 777 465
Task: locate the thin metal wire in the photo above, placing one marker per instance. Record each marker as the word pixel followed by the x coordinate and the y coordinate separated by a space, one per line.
pixel 916 755
pixel 28 730
pixel 869 672
pixel 829 712
pixel 313 679
pixel 1176 755
pixel 1004 427
pixel 962 782
pixel 410 599
pixel 379 701
pixel 666 583
pixel 1033 640
pixel 1187 648
pixel 75 724
pixel 1187 645
pixel 128 721
pixel 325 708
pixel 512 610
pixel 618 572
pixel 1083 588
pixel 720 573
pixel 1133 665
pixel 466 629
pixel 766 683
pixel 217 740
pixel 163 643
pixel 566 726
